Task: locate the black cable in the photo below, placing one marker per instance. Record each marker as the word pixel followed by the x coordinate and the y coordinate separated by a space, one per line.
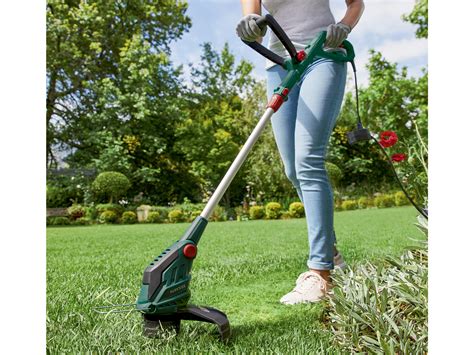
pixel 359 126
pixel 359 121
pixel 398 179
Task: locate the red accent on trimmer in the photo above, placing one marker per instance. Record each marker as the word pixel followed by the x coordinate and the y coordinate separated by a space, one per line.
pixel 190 251
pixel 300 56
pixel 275 102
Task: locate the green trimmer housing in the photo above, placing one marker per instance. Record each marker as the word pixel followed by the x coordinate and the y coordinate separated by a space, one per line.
pixel 165 293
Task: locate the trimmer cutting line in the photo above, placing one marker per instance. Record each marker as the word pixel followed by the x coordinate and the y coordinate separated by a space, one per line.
pixel 164 294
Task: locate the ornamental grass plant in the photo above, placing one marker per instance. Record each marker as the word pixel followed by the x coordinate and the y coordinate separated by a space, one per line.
pixel 383 309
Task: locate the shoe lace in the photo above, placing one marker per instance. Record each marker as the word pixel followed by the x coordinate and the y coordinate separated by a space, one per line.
pixel 307 279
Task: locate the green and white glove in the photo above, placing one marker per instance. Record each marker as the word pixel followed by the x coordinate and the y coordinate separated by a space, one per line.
pixel 248 30
pixel 336 33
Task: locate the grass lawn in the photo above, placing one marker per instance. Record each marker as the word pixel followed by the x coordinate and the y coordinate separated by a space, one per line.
pixel 242 268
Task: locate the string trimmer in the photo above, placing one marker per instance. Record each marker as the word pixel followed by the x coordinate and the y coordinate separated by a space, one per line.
pixel 165 293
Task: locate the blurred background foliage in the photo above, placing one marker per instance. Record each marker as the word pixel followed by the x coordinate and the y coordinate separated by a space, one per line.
pixel 115 102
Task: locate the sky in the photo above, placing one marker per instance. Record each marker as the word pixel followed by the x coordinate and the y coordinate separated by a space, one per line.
pixel 380 28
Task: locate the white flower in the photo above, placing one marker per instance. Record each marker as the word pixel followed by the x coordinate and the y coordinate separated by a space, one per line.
pixel 409 124
pixel 78 186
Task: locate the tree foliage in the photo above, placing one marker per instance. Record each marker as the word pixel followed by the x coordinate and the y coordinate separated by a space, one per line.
pixel 419 16
pixel 391 101
pixel 215 126
pixel 111 184
pixel 115 102
pixel 113 96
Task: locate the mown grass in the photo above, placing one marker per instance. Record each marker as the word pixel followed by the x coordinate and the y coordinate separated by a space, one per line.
pixel 242 268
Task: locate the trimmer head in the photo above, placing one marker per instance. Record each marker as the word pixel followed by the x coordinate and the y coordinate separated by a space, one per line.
pixel 156 324
pixel 165 293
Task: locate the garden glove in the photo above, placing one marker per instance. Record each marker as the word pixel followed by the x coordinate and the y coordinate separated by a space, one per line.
pixel 248 30
pixel 336 33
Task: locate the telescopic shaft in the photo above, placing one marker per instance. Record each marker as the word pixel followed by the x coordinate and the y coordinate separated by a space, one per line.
pixel 237 163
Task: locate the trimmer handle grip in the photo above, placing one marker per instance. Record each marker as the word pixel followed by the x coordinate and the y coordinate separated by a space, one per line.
pixel 281 35
pixel 336 56
pixel 278 31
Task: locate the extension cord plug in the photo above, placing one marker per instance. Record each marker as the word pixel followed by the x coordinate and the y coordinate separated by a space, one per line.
pixel 359 134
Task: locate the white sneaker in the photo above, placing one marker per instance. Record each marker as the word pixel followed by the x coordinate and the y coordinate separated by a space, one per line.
pixel 310 287
pixel 339 262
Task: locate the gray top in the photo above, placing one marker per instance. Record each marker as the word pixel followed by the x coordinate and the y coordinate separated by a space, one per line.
pixel 302 20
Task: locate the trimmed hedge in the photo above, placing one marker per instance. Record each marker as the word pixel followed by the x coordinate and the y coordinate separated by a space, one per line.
pixel 129 217
pixel 383 201
pixel 273 210
pixel 256 212
pixel 296 210
pixel 155 217
pixel 176 216
pixel 57 221
pixel 108 217
pixel 187 212
pixel 349 205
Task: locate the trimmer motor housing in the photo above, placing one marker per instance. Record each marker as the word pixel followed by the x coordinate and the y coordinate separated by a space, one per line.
pixel 165 293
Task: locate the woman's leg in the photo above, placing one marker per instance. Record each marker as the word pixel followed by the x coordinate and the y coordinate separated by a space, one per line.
pixel 320 98
pixel 283 124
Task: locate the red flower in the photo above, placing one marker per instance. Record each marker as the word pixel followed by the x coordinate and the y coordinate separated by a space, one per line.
pixel 388 138
pixel 398 157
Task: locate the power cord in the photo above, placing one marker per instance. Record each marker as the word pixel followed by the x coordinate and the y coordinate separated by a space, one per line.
pixel 363 134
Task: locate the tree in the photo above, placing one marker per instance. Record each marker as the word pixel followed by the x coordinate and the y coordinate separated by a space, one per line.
pixel 113 96
pixel 212 133
pixel 391 101
pixel 111 184
pixel 419 16
pixel 98 51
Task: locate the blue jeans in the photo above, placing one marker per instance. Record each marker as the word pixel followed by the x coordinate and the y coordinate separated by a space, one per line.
pixel 302 127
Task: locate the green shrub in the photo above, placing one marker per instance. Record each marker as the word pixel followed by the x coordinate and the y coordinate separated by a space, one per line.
pixel 82 221
pixel 273 210
pixel 76 211
pixel 162 211
pixel 400 199
pixel 176 216
pixel 383 201
pixel 241 214
pixel 57 221
pixel 219 214
pixel 334 173
pixel 129 217
pixel 190 210
pixel 382 309
pixel 91 213
pixel 349 205
pixel 286 215
pixel 155 217
pixel 364 202
pixel 108 217
pixel 194 215
pixel 57 197
pixel 110 184
pixel 296 210
pixel 118 209
pixel 257 212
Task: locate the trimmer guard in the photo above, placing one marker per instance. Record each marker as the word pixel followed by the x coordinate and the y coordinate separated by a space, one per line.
pixel 154 324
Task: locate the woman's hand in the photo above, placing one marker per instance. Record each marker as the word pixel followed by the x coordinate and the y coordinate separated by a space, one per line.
pixel 336 33
pixel 248 30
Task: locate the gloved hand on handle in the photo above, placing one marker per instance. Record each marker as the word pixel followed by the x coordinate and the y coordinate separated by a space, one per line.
pixel 336 33
pixel 248 30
